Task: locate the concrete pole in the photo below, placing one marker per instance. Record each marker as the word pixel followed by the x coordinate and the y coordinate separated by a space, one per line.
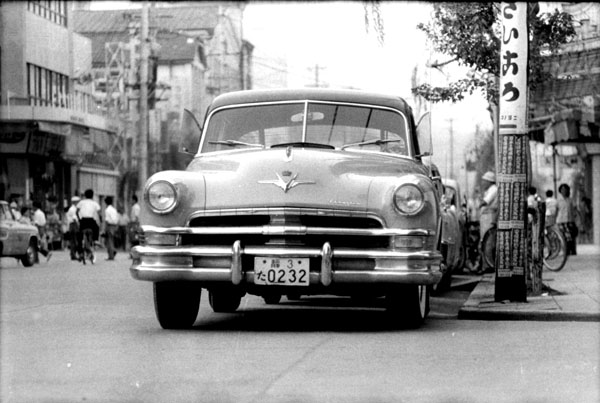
pixel 143 102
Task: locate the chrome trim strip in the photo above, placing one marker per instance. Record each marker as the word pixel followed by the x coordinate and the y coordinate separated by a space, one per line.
pixel 141 251
pixel 338 277
pixel 272 211
pixel 281 230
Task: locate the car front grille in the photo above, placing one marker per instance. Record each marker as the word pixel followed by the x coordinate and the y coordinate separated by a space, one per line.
pixel 282 218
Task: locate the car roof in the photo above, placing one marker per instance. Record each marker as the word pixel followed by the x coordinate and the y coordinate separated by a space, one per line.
pixel 312 94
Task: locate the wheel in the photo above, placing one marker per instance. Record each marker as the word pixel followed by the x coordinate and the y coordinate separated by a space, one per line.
pixel 488 248
pixel 272 299
pixel 30 256
pixel 409 304
pixel 555 250
pixel 223 301
pixel 176 303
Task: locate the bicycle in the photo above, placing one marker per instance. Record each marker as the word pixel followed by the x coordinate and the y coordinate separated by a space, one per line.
pixel 87 246
pixel 555 248
pixel 554 253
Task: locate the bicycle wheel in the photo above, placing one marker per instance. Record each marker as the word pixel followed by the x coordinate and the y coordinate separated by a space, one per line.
pixel 555 249
pixel 488 247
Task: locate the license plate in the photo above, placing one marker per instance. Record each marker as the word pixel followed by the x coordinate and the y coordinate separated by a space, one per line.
pixel 281 271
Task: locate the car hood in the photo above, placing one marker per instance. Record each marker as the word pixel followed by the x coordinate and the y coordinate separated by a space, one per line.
pixel 299 177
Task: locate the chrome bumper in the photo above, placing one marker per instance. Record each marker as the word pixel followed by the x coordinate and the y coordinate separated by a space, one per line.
pixel 176 263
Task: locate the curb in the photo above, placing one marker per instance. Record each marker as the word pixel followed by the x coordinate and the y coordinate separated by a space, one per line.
pixel 482 306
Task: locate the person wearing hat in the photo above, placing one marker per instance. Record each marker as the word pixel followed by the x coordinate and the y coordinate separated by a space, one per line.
pixel 15 210
pixel 488 208
pixel 73 223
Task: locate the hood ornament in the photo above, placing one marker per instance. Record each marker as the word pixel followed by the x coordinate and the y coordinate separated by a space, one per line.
pixel 286 185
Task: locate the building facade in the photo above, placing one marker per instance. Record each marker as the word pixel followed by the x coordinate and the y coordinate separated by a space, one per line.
pixel 54 140
pixel 565 120
pixel 198 52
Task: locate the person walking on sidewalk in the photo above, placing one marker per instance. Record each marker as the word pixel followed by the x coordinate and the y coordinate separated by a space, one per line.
pixel 111 222
pixel 73 228
pixel 551 208
pixel 567 214
pixel 39 220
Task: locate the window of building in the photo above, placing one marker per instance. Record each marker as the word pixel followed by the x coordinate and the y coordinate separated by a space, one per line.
pixel 46 87
pixel 53 10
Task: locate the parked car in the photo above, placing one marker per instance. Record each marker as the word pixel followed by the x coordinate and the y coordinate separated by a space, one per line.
pixel 453 239
pixel 294 192
pixel 17 239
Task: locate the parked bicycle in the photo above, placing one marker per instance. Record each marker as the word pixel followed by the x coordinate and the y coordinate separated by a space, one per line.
pixel 554 253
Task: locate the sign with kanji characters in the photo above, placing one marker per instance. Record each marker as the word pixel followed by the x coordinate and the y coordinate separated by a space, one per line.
pixel 513 68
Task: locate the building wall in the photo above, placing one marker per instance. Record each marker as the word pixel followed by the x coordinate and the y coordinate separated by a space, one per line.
pixel 13 44
pixel 47 44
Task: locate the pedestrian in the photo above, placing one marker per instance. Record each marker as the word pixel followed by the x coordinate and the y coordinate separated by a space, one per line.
pixel 134 222
pixel 122 230
pixel 488 210
pixel 551 208
pixel 488 207
pixel 532 198
pixel 39 220
pixel 73 228
pixel 88 212
pixel 566 218
pixel 111 221
pixel 15 210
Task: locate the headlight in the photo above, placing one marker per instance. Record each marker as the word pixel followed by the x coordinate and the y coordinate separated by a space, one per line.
pixel 409 199
pixel 162 197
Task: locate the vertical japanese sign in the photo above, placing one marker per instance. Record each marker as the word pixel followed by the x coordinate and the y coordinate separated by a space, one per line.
pixel 511 256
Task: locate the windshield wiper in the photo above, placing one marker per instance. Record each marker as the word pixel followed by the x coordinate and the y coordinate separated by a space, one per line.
pixel 377 142
pixel 234 143
pixel 304 144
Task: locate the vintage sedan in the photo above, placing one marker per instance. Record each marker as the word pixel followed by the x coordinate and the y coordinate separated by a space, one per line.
pixel 294 192
pixel 17 239
pixel 453 230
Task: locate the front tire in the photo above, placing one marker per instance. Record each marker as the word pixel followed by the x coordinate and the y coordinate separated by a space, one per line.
pixel 409 305
pixel 176 303
pixel 223 301
pixel 30 256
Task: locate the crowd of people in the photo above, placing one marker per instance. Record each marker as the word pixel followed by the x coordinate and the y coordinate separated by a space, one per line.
pixel 118 230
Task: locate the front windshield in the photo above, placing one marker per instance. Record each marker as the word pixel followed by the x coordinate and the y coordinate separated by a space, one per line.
pixel 340 126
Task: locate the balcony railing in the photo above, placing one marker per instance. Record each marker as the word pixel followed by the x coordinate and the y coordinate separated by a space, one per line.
pixel 75 101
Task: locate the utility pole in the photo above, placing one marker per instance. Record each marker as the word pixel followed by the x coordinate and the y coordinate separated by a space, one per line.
pixel 316 69
pixel 451 175
pixel 143 102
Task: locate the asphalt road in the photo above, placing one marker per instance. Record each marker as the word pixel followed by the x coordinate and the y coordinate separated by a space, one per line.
pixel 73 333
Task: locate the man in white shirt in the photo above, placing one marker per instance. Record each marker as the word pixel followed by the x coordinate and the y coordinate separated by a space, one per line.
pixel 111 220
pixel 39 220
pixel 73 224
pixel 88 212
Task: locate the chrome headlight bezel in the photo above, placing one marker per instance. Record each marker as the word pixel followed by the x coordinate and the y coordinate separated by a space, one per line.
pixel 408 199
pixel 162 189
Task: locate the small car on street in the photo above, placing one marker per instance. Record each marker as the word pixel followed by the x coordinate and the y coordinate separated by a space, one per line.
pixel 294 192
pixel 453 230
pixel 17 239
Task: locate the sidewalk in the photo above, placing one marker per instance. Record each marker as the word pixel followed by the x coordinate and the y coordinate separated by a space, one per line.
pixel 572 294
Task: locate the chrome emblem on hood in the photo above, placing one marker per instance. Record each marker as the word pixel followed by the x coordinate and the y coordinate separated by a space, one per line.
pixel 286 185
